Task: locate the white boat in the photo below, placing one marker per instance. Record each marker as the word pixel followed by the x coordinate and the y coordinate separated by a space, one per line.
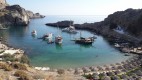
pixel 70 29
pixel 48 37
pixel 58 39
pixel 34 33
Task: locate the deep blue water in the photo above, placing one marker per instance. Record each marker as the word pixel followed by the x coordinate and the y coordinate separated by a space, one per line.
pixel 67 55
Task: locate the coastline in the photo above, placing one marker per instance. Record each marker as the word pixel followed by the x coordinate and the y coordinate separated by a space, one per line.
pixel 135 60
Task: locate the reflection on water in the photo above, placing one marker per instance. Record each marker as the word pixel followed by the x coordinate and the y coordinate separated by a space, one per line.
pixel 59 46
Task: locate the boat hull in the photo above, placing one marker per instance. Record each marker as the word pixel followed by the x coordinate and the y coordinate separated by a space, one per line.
pixel 83 42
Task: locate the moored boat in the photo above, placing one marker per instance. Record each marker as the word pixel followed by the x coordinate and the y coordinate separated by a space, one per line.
pixel 71 29
pixel 58 39
pixel 48 37
pixel 82 40
pixel 34 33
pixel 85 41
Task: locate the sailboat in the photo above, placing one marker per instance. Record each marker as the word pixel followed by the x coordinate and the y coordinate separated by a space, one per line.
pixel 58 38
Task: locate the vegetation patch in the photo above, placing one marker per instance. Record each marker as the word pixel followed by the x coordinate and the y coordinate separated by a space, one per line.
pixel 8 57
pixel 6 67
pixel 25 59
pixel 22 75
pixel 19 66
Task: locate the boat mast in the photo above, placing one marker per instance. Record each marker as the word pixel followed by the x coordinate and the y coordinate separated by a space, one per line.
pixel 80 34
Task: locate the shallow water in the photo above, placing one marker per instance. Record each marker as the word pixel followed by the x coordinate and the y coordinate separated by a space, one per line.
pixel 68 54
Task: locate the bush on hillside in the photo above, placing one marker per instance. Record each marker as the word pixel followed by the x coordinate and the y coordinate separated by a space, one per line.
pixel 25 59
pixel 22 75
pixel 61 71
pixel 8 57
pixel 19 66
pixel 6 67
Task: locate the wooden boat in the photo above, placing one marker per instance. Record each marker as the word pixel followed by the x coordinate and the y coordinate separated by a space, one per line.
pixel 85 41
pixel 82 40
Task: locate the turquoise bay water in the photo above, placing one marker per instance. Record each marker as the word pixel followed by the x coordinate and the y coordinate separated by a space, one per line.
pixel 68 54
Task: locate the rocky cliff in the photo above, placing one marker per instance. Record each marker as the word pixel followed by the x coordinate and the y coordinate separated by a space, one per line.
pixel 61 24
pixel 15 15
pixel 130 20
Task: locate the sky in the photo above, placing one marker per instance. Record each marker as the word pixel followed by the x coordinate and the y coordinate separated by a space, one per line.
pixel 77 7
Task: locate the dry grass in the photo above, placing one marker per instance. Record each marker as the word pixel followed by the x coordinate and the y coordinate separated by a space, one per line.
pixel 19 66
pixel 5 66
pixel 23 75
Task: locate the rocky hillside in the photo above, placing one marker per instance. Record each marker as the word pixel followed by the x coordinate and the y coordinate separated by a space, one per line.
pixel 130 20
pixel 15 15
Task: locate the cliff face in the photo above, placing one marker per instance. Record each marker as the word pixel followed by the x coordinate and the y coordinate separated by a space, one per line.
pixel 130 20
pixel 14 15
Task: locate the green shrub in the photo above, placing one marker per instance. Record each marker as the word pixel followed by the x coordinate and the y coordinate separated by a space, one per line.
pixel 22 75
pixel 6 67
pixel 61 71
pixel 25 59
pixel 8 57
pixel 19 66
pixel 39 76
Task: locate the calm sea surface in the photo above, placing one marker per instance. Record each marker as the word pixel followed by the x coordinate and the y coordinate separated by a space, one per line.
pixel 68 54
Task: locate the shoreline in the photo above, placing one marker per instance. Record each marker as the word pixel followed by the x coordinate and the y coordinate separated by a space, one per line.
pixel 58 68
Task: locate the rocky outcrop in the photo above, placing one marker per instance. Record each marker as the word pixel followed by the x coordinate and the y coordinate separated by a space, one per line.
pixel 14 15
pixel 17 16
pixel 3 3
pixel 61 24
pixel 34 15
pixel 130 20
